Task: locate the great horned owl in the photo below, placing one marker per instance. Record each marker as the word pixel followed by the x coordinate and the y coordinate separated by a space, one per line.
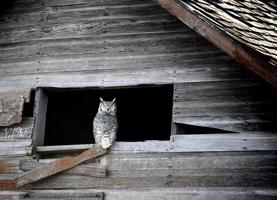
pixel 105 124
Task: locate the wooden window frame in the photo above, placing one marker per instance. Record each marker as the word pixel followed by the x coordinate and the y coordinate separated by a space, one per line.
pixel 40 110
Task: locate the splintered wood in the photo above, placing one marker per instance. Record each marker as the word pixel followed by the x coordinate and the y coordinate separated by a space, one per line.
pixel 11 107
pixel 52 168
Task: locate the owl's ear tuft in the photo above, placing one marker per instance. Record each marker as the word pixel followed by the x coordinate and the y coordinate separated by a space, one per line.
pixel 113 100
pixel 101 99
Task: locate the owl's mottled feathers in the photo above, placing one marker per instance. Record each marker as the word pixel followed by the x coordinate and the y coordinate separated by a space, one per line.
pixel 105 124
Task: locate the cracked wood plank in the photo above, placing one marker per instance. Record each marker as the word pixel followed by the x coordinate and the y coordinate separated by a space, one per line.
pixel 19 131
pixel 11 107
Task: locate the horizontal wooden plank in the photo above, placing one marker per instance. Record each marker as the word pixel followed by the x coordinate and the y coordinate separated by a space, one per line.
pixel 188 161
pixel 119 77
pixel 107 61
pixel 245 180
pixel 117 61
pixel 230 86
pixel 77 29
pixel 231 119
pixel 24 92
pixel 17 132
pixel 29 7
pixel 225 110
pixel 75 3
pixel 18 151
pixel 246 135
pixel 11 195
pixel 81 13
pixel 63 195
pixel 9 166
pixel 186 143
pixel 203 193
pixel 251 93
pixel 191 172
pixel 92 169
pixel 52 194
pixel 213 86
pixel 132 44
pixel 202 104
pixel 16 143
pixel 204 143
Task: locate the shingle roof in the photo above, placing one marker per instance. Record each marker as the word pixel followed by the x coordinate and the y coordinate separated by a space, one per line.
pixel 250 22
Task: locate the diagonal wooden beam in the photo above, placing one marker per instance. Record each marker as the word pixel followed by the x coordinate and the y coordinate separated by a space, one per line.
pixel 238 52
pixel 52 168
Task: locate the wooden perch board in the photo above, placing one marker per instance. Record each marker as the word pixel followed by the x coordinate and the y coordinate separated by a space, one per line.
pixel 52 168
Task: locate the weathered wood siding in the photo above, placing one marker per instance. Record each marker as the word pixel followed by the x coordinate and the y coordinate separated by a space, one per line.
pixel 16 140
pixel 238 106
pixel 105 43
pixel 82 43
pixel 11 106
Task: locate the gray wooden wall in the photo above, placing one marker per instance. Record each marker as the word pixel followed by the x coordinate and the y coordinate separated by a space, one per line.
pixel 86 43
pixel 82 43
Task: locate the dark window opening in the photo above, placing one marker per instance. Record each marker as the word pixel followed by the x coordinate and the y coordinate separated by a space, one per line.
pixel 144 113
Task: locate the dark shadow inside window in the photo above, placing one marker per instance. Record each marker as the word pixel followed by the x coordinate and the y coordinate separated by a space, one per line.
pixel 144 113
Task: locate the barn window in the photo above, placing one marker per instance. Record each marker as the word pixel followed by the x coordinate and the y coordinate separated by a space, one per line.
pixel 64 117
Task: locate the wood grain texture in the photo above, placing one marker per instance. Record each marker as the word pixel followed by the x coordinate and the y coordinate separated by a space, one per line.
pixel 243 179
pixel 88 44
pixel 9 166
pixel 57 166
pixel 204 143
pixel 204 193
pixel 40 109
pixel 117 162
pixel 15 152
pixel 91 169
pixel 11 108
pixel 251 141
pixel 143 170
pixel 237 106
pixel 17 132
pixel 104 43
pixel 52 194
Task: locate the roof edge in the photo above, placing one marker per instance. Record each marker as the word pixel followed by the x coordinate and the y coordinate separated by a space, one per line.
pixel 220 39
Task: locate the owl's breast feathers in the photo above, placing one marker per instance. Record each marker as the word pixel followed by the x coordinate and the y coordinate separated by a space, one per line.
pixel 105 123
